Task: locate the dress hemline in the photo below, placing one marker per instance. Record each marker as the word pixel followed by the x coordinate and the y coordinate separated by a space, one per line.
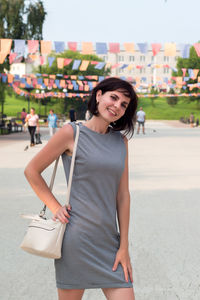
pixel 93 286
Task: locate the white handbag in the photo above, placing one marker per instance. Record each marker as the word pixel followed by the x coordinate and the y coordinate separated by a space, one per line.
pixel 44 236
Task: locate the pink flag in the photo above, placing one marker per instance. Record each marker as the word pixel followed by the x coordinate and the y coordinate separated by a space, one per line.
pixel 129 47
pixel 156 48
pixel 114 47
pixel 33 46
pixel 72 46
pixel 184 71
pixel 115 66
pixel 42 59
pixel 67 61
pixel 197 48
pixel 12 57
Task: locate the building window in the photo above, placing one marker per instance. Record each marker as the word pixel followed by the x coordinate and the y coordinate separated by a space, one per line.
pixel 142 70
pixel 120 58
pixel 152 58
pixel 166 58
pixel 131 58
pixel 105 57
pixel 152 69
pixel 142 58
pixel 176 58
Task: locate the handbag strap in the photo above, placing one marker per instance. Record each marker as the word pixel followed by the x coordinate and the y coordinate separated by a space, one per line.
pixel 42 213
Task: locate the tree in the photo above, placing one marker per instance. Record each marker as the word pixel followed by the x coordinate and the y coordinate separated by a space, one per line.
pixel 65 104
pixel 67 70
pixel 193 62
pixel 19 20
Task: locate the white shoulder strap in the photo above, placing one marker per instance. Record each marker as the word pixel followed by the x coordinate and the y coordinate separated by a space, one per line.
pixel 42 213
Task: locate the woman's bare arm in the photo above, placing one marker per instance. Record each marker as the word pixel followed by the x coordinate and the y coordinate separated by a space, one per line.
pixel 63 140
pixel 123 212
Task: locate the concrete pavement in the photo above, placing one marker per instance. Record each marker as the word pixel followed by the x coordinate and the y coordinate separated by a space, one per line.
pixel 165 211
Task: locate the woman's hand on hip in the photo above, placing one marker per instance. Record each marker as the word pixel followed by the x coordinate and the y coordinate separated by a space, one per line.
pixel 62 214
pixel 122 257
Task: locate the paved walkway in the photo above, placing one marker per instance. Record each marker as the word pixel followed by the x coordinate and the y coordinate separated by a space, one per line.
pixel 165 210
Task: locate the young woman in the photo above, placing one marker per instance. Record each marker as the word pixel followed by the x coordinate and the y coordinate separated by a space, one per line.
pixel 33 123
pixel 94 254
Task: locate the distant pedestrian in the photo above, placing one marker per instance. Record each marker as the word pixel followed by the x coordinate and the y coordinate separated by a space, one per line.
pixel 141 117
pixel 33 121
pixel 23 118
pixel 87 115
pixel 197 122
pixel 192 120
pixel 72 114
pixel 52 122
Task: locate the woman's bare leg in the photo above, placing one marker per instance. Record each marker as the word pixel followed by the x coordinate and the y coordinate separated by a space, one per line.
pixel 119 293
pixel 70 294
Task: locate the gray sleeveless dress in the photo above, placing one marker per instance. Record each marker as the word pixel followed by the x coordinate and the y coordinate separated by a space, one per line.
pixel 91 238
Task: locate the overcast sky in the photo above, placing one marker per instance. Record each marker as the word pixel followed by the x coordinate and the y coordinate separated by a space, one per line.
pixel 122 21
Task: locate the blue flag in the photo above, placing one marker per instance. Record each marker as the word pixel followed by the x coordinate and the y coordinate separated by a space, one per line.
pixel 59 46
pixel 76 64
pixel 143 47
pixel 101 48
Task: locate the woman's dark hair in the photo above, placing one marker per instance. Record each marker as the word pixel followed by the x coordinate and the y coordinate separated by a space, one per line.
pixel 127 121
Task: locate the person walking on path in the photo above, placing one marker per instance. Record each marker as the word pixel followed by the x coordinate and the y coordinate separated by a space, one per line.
pixel 23 118
pixel 52 122
pixel 33 121
pixel 95 251
pixel 141 117
pixel 192 120
pixel 72 114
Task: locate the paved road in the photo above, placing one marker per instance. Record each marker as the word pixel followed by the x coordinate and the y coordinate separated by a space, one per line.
pixel 165 211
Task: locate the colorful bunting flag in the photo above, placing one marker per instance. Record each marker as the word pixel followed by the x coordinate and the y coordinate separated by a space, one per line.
pixel 100 65
pixel 101 48
pixel 84 65
pixel 197 48
pixel 46 47
pixel 33 46
pixel 12 57
pixel 87 48
pixel 114 47
pixel 51 60
pixel 129 47
pixel 170 49
pixel 60 62
pixel 19 46
pixel 143 47
pixel 67 61
pixel 59 46
pixel 156 48
pixel 5 46
pixel 72 46
pixel 184 71
pixel 185 50
pixel 76 64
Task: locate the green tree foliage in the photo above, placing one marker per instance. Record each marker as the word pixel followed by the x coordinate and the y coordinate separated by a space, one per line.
pixel 64 105
pixel 67 70
pixel 193 62
pixel 20 20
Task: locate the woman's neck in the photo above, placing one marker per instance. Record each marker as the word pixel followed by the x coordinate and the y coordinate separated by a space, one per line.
pixel 97 124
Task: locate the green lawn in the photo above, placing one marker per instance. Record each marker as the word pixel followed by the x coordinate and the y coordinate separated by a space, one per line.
pixel 157 109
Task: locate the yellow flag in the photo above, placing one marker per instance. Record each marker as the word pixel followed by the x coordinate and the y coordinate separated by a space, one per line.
pixel 46 47
pixel 84 65
pixel 87 48
pixel 170 49
pixel 129 47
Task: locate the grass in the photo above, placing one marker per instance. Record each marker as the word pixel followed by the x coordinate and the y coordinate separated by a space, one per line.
pixel 156 109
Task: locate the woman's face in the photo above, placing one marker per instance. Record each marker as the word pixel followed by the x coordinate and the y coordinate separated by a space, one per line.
pixel 32 111
pixel 112 105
